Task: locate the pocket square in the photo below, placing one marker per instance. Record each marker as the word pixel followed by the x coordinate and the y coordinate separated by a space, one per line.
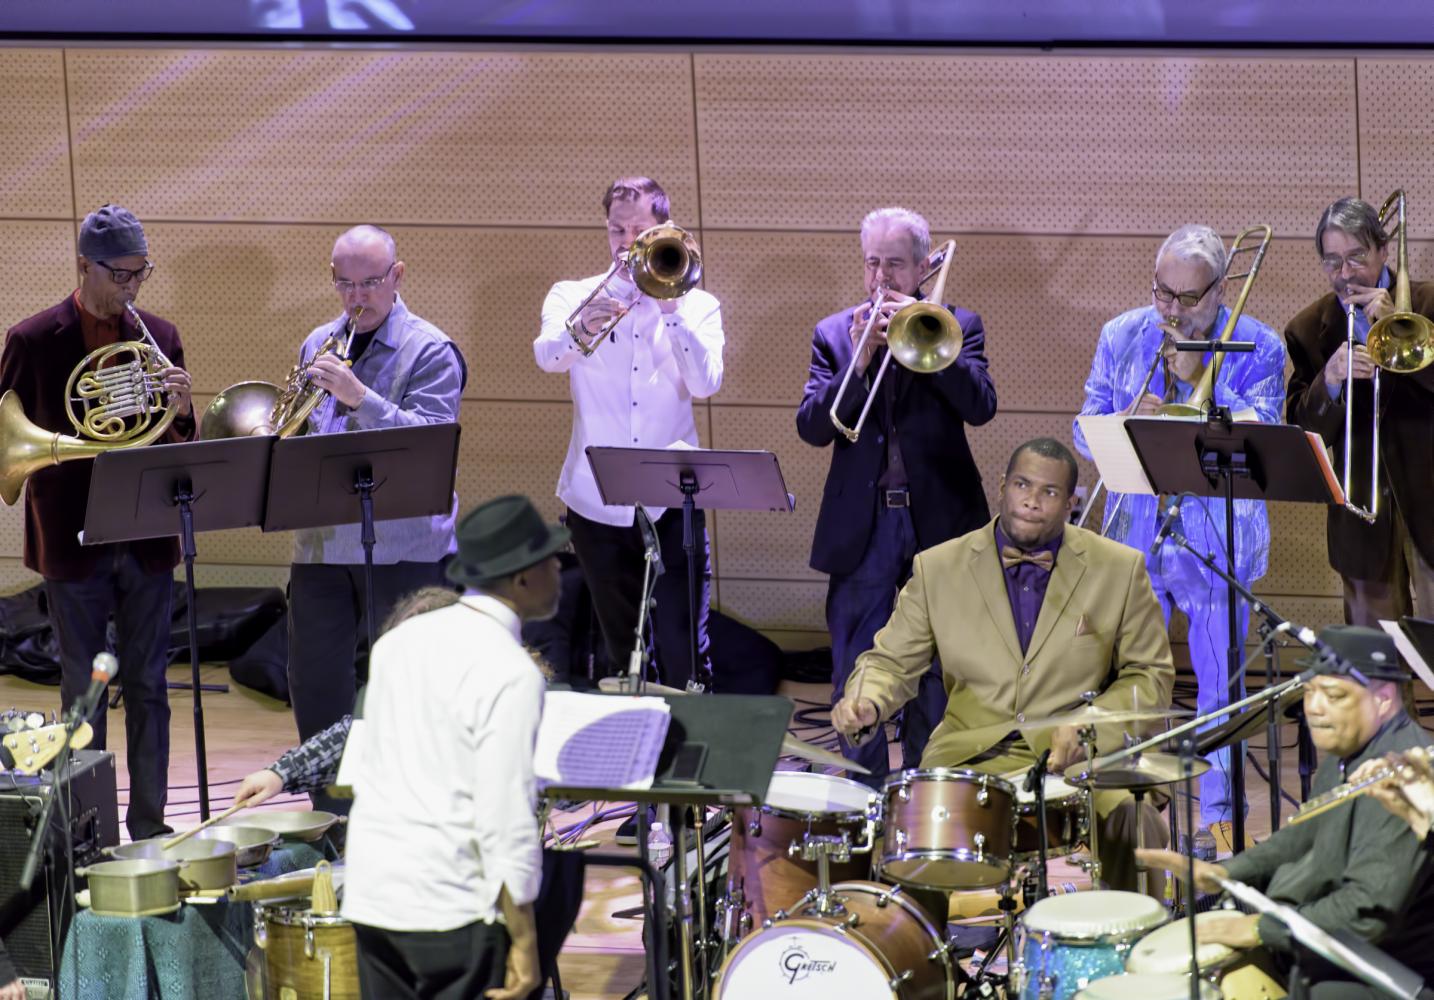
pixel 1084 627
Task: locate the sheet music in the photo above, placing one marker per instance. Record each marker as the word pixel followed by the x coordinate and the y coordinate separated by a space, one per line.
pixel 1331 481
pixel 1407 650
pixel 1114 453
pixel 595 741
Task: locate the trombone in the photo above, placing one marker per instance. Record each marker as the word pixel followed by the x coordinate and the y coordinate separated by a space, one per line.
pixel 1402 342
pixel 1204 391
pixel 922 336
pixel 664 262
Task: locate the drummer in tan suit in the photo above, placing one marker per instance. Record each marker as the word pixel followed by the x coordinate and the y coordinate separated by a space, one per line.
pixel 1025 614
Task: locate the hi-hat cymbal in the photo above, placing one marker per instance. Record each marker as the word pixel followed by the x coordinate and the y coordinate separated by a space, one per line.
pixel 1147 770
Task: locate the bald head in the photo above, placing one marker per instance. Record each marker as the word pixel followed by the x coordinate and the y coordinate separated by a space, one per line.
pixel 367 273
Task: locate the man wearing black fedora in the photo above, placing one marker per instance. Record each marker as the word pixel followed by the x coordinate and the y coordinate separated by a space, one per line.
pixel 1353 868
pixel 444 856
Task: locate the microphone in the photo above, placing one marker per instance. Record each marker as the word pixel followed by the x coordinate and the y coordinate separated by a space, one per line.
pixel 649 539
pixel 1226 346
pixel 104 666
pixel 1038 770
pixel 1171 513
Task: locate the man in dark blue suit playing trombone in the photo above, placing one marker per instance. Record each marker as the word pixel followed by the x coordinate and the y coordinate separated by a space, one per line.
pixel 908 481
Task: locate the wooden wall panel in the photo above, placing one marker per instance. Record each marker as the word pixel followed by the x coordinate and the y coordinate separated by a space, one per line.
pixel 34 141
pixel 245 296
pixel 1396 125
pixel 396 137
pixel 1025 144
pixel 41 267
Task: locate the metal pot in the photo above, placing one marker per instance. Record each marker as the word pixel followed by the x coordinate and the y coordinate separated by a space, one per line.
pixel 253 844
pixel 133 888
pixel 203 864
pixel 307 825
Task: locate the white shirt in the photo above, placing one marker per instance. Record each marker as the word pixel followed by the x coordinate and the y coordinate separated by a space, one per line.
pixel 444 793
pixel 636 389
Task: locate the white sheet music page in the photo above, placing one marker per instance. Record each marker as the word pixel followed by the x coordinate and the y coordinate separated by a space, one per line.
pixel 1407 650
pixel 597 741
pixel 1114 453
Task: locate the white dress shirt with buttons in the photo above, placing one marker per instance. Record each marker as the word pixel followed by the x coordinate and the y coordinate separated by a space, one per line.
pixel 444 792
pixel 636 389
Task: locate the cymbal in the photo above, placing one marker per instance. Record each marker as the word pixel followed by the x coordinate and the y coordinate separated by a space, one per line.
pixel 1097 715
pixel 1148 770
pixel 793 747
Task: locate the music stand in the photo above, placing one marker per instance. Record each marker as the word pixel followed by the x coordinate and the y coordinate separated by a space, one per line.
pixel 133 495
pixel 320 480
pixel 689 478
pixel 1217 457
pixel 735 740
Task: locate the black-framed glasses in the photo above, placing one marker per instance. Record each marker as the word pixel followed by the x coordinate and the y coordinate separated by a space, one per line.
pixel 1334 262
pixel 1187 299
pixel 122 275
pixel 344 286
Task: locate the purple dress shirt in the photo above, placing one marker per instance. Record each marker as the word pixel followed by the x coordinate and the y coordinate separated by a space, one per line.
pixel 1026 586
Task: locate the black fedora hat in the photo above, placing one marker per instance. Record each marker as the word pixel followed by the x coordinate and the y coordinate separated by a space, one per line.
pixel 1371 651
pixel 500 538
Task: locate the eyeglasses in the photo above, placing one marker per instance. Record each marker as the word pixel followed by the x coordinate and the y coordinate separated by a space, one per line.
pixel 1334 263
pixel 1187 299
pixel 122 275
pixel 344 286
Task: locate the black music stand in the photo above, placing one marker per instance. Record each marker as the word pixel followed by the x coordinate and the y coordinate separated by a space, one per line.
pixel 736 740
pixel 1217 457
pixel 360 477
pixel 134 493
pixel 689 478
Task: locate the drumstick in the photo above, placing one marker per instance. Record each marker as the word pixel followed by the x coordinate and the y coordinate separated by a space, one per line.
pixel 178 838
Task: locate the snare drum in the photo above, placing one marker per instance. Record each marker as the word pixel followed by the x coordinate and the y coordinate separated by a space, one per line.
pixel 1071 941
pixel 1066 819
pixel 1146 986
pixel 306 954
pixel 761 877
pixel 1239 976
pixel 882 946
pixel 948 829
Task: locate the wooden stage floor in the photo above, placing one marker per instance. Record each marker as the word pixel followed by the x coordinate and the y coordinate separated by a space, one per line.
pixel 603 958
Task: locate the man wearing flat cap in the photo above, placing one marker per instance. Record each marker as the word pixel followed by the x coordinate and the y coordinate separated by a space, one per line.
pixel 84 585
pixel 1353 868
pixel 444 858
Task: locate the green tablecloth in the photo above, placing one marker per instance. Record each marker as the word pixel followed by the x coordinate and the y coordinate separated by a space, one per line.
pixel 196 953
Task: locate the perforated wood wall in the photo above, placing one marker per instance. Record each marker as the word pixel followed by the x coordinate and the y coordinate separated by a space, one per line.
pixel 1058 176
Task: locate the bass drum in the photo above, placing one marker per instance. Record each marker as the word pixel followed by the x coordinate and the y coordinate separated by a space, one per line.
pixel 883 945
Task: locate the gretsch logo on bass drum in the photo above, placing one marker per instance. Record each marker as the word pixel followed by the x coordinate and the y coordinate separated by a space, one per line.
pixel 798 965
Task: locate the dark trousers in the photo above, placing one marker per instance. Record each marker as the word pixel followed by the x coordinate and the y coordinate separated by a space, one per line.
pixel 859 604
pixel 612 562
pixel 141 605
pixel 431 965
pixel 327 628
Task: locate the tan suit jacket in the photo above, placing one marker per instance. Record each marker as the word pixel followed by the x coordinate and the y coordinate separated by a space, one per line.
pixel 1100 629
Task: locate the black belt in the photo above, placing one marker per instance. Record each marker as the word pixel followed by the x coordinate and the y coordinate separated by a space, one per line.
pixel 896 498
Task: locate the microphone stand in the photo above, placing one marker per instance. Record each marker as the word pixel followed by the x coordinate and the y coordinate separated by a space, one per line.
pixel 42 825
pixel 1187 767
pixel 1036 784
pixel 636 680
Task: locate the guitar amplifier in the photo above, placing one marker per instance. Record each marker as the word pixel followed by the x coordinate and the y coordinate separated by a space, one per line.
pixel 33 925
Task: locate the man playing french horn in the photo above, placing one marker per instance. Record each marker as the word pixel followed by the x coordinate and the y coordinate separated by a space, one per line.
pixel 1378 559
pixel 398 370
pixel 66 344
pixel 1136 371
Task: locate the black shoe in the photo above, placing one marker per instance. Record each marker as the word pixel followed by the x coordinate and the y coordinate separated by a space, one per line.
pixel 627 831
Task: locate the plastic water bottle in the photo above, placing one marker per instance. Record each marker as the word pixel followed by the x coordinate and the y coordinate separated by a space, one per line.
pixel 659 845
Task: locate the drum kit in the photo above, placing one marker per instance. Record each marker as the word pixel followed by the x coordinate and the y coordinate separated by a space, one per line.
pixel 825 882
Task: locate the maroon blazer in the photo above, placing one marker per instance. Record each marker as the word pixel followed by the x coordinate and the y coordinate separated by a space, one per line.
pixel 39 354
pixel 1406 452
